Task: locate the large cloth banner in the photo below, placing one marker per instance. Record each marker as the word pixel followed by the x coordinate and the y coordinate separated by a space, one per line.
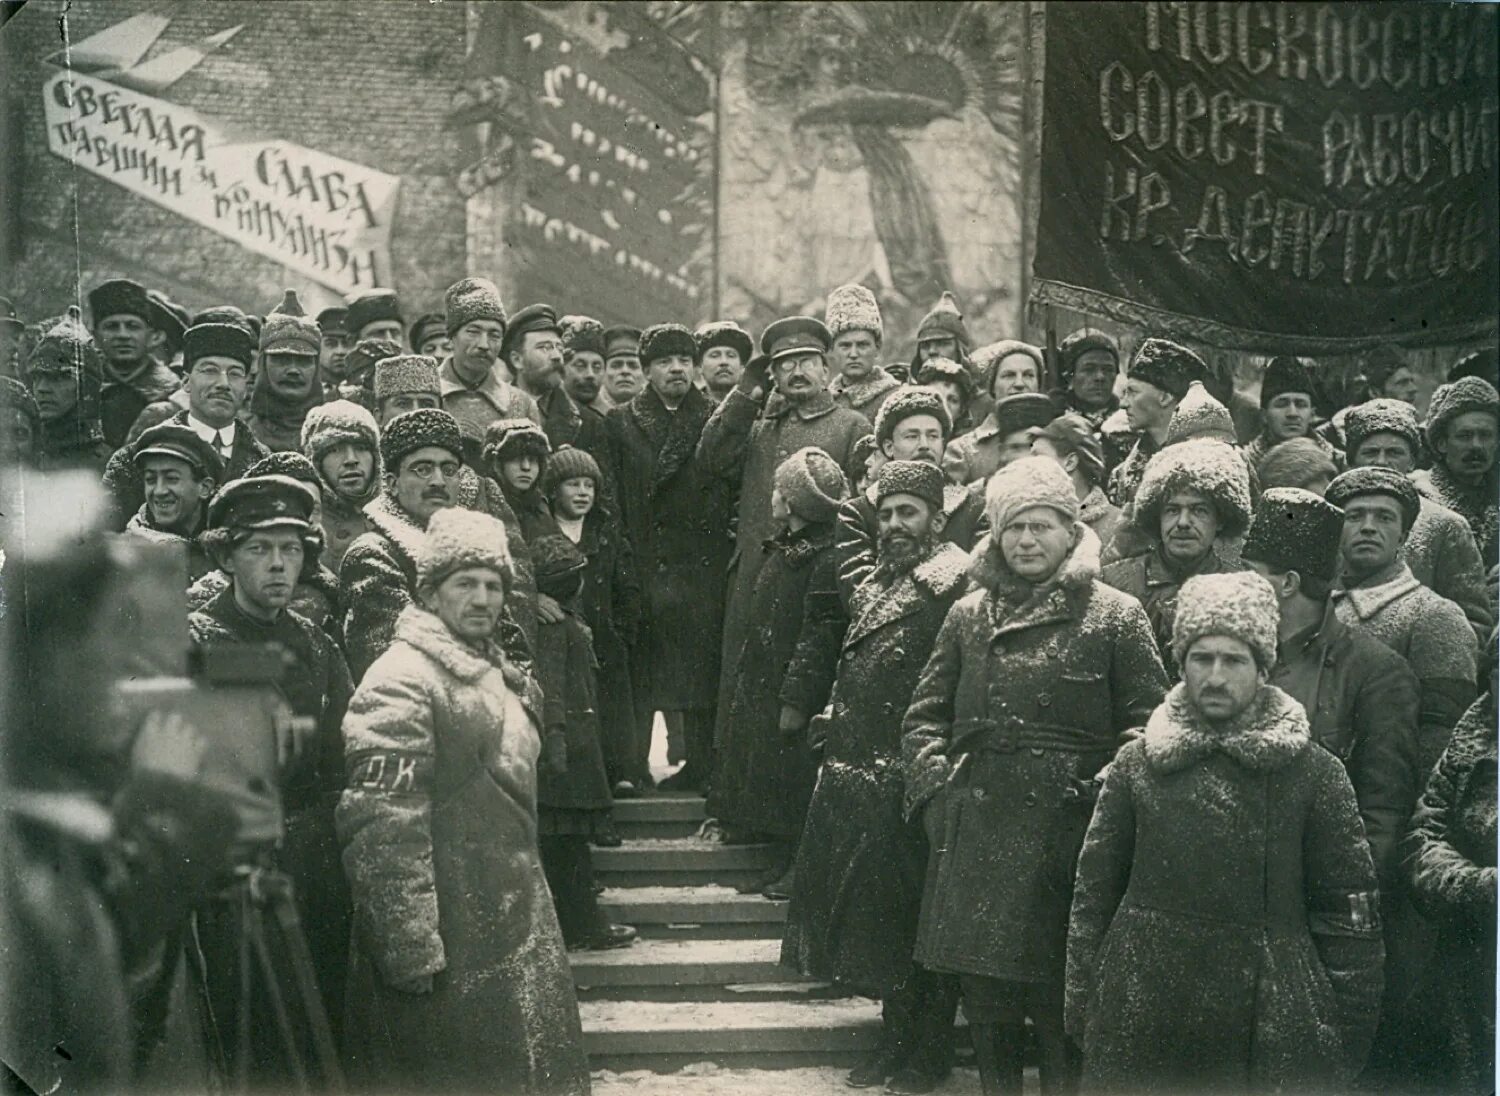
pixel 322 216
pixel 1288 177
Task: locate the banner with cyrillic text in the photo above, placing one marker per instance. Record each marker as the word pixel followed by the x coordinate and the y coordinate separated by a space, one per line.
pixel 1289 177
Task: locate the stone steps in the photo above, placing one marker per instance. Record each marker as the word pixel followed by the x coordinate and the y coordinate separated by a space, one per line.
pixel 702 970
pixel 687 912
pixel 659 816
pixel 679 861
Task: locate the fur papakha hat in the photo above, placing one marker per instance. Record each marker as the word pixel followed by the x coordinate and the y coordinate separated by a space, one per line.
pixel 413 430
pixel 1211 468
pixel 946 369
pixel 1078 343
pixel 288 463
pixel 581 334
pixel 371 305
pixel 662 340
pixel 1199 415
pixel 1024 483
pixel 1456 398
pixel 404 374
pixel 724 333
pixel 1382 416
pixel 1286 374
pixel 812 484
pixel 1167 365
pixel 853 308
pixel 905 402
pixel 470 299
pixel 569 462
pixel 1240 605
pixel 911 477
pixel 1347 486
pixel 505 439
pixel 458 538
pixel 1296 530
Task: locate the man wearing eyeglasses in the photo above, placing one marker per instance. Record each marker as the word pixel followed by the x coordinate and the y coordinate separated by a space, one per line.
pixel 217 358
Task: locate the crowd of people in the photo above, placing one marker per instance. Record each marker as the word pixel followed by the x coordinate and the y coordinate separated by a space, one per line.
pixel 1152 724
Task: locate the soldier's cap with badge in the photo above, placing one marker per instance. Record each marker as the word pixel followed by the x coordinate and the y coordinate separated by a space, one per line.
pixel 263 502
pixel 119 297
pixel 289 330
pixel 371 306
pixel 173 439
pixel 334 321
pixel 794 335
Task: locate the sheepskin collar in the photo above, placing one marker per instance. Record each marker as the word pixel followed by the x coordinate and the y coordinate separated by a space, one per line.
pixel 1367 601
pixel 942 571
pixel 878 383
pixel 1015 604
pixel 987 566
pixel 392 522
pixel 427 633
pixel 1266 736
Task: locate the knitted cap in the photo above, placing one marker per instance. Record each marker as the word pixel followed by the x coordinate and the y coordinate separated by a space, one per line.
pixel 414 430
pixel 287 463
pixel 1296 462
pixel 944 320
pixel 336 423
pixel 581 334
pixel 1454 399
pixel 405 373
pixel 289 330
pixel 911 477
pixel 1024 483
pixel 905 402
pixel 429 325
pixel 363 309
pixel 1211 468
pixel 569 462
pixel 1381 416
pixel 1167 365
pixel 534 317
pixel 812 484
pixel 724 333
pixel 662 340
pixel 946 369
pixel 1075 434
pixel 1023 411
pixel 471 299
pixel 1349 485
pixel 852 308
pixel 509 438
pixel 1295 530
pixel 1240 605
pixel 119 297
pixel 1285 374
pixel 1078 343
pixel 1199 415
pixel 67 347
pixel 458 538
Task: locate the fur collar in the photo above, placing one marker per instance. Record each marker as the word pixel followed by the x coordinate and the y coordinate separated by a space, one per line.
pixel 942 571
pixel 987 566
pixel 1367 601
pixel 878 383
pixel 1267 735
pixel 395 524
pixel 427 633
pixel 673 436
pixel 142 525
pixel 1093 506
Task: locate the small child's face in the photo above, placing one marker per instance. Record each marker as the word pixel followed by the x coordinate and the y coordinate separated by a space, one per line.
pixel 573 498
pixel 780 511
pixel 520 472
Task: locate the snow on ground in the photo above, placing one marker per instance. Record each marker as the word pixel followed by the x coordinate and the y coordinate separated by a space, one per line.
pixel 706 1079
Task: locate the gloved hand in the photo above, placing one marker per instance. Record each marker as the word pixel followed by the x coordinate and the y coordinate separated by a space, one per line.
pixel 817 732
pixel 555 753
pixel 757 373
pixel 791 722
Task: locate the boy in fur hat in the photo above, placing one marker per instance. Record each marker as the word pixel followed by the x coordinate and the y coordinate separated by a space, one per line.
pixel 781 676
pixel 852 317
pixel 1033 679
pixel 573 798
pixel 342 441
pixel 1225 932
pixel 515 457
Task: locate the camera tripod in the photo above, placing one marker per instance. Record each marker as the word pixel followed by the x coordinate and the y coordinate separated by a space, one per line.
pixel 272 961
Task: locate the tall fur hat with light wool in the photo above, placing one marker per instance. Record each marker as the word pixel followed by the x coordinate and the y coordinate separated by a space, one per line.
pixel 1381 416
pixel 1240 605
pixel 470 299
pixel 1457 398
pixel 853 308
pixel 1210 468
pixel 458 538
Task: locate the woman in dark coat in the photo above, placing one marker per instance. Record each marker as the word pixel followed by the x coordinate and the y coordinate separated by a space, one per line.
pixel 1453 883
pixel 1225 930
pixel 785 669
pixel 1034 680
pixel 460 981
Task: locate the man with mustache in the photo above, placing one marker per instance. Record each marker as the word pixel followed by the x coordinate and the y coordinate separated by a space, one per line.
pixel 341 440
pixel 853 318
pixel 860 865
pixel 723 350
pixel 1193 497
pixel 913 425
pixel 287 387
pixel 533 348
pixel 583 362
pixel 474 391
pixel 217 357
pixel 1463 432
pixel 179 472
pixel 123 314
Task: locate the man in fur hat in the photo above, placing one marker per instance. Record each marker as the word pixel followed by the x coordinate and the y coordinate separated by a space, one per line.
pixel 287 386
pixel 375 314
pixel 179 472
pixel 743 447
pixel 723 349
pixel 1088 363
pixel 1158 378
pixel 122 314
pixel 583 362
pixel 942 334
pixel 1226 927
pixel 403 383
pixel 852 317
pixel 857 845
pixel 472 382
pixel 913 425
pixel 1034 678
pixel 1193 498
pixel 1463 432
pixel 1440 549
pixel 64 374
pixel 341 440
pixel 1009 367
pixel 1288 408
pixel 953 381
pixel 1379 595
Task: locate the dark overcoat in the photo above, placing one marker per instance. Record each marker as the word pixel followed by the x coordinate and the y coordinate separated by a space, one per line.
pixel 676 519
pixel 438 825
pixel 565 671
pixel 789 658
pixel 1225 931
pixel 1027 694
pixel 610 604
pixel 853 919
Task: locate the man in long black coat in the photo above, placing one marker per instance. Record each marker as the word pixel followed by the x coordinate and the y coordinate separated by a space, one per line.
pixel 853 918
pixel 676 518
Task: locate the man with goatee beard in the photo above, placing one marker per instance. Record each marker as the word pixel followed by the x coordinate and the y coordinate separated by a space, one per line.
pixel 853 918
